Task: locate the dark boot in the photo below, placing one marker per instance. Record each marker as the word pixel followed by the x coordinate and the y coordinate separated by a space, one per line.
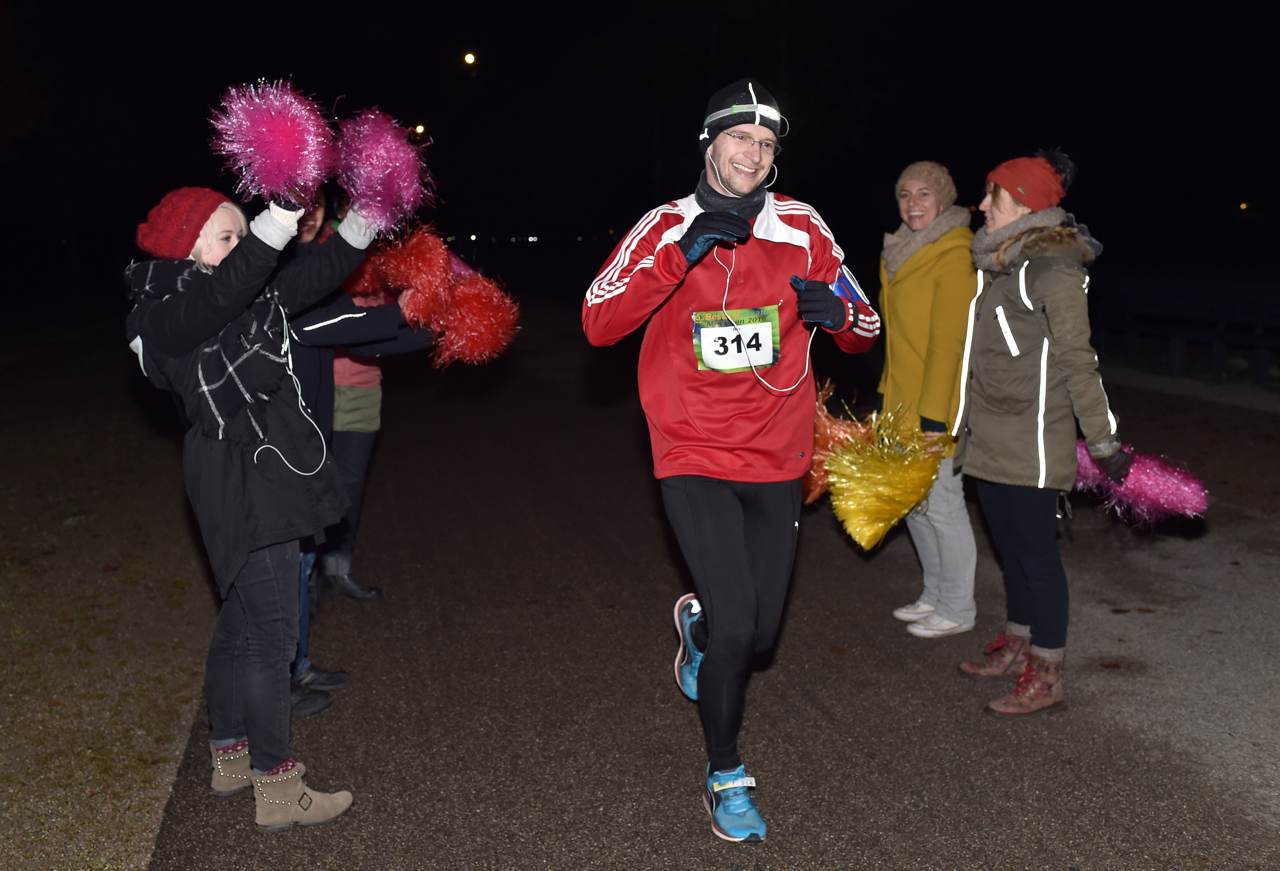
pixel 317 678
pixel 305 701
pixel 345 585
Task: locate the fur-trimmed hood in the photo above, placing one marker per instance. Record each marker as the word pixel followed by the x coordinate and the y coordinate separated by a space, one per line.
pixel 1062 241
pixel 1049 232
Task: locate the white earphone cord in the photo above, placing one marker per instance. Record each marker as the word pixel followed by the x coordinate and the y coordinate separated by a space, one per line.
pixel 725 311
pixel 297 388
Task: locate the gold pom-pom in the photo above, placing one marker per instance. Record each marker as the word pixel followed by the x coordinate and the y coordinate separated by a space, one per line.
pixel 876 482
pixel 829 433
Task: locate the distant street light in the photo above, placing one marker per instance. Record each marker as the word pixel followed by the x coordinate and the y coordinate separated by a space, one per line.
pixel 419 129
pixel 1244 205
pixel 469 58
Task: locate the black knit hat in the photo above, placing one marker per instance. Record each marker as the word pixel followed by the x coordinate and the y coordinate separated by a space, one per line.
pixel 746 101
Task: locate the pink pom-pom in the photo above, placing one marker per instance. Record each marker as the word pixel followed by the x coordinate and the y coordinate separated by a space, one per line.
pixel 479 325
pixel 1153 490
pixel 276 141
pixel 381 170
pixel 419 266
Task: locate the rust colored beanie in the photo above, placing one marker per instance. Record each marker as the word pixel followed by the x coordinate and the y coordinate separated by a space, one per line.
pixel 933 174
pixel 1031 181
pixel 172 227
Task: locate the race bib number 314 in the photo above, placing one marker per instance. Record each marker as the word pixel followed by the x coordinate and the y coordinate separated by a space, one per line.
pixel 737 340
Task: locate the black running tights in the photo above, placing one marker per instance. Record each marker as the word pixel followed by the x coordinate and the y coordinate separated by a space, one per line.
pixel 739 541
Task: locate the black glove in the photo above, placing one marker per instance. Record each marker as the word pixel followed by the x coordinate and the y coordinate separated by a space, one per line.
pixel 818 303
pixel 709 228
pixel 928 424
pixel 1116 465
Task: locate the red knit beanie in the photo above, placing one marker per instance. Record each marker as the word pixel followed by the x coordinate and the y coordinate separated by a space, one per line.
pixel 1031 181
pixel 172 228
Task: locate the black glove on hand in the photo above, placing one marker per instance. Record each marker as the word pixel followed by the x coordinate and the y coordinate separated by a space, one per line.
pixel 818 303
pixel 709 228
pixel 1116 465
pixel 928 424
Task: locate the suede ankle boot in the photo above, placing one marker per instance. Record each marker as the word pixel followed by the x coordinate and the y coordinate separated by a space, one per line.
pixel 282 799
pixel 232 773
pixel 1039 689
pixel 1005 657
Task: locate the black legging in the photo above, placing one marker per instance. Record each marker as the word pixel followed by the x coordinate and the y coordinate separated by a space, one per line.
pixel 1024 524
pixel 739 540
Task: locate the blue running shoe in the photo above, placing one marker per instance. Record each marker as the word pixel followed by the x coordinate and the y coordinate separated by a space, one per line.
pixel 733 814
pixel 688 658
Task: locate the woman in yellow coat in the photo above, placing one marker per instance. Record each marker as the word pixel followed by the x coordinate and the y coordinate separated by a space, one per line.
pixel 926 283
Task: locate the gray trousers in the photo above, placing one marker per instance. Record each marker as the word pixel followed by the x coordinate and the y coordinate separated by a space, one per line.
pixel 944 543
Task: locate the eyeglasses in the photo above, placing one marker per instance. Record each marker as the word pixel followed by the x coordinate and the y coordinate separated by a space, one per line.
pixel 767 146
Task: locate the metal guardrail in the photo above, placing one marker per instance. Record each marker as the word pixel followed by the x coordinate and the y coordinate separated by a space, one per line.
pixel 1221 314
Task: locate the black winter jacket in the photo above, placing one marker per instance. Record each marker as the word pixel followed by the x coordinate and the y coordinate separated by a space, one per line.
pixel 255 463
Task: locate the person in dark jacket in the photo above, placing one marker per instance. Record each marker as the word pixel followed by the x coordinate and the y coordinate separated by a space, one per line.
pixel 209 326
pixel 335 320
pixel 1029 374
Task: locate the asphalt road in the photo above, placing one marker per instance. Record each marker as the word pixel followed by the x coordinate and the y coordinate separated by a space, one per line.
pixel 513 704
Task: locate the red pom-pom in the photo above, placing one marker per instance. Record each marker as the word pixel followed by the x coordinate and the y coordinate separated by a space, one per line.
pixel 276 140
pixel 1153 490
pixel 479 325
pixel 367 279
pixel 381 169
pixel 419 266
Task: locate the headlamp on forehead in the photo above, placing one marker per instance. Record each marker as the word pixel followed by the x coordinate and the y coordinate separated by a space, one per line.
pixel 760 110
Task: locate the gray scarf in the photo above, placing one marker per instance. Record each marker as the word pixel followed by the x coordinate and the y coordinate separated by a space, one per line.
pixel 711 200
pixel 900 246
pixel 996 252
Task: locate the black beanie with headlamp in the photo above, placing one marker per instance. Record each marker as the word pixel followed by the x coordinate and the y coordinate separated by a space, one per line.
pixel 746 101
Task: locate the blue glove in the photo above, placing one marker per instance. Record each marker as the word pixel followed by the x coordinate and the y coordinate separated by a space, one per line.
pixel 818 304
pixel 711 227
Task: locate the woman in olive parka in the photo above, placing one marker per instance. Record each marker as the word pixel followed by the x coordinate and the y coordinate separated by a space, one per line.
pixel 1028 374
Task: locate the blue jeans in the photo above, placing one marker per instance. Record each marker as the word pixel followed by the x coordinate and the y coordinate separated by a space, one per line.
pixel 1024 525
pixel 306 561
pixel 351 454
pixel 246 676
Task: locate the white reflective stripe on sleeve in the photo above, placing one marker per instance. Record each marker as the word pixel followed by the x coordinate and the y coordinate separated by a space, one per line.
pixel 1008 333
pixel 1044 383
pixel 1022 285
pixel 964 364
pixel 136 346
pixel 332 321
pixel 1086 285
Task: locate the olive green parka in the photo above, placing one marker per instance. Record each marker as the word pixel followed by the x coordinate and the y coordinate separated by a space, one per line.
pixel 1031 372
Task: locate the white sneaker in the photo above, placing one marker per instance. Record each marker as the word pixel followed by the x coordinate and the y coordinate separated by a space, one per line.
pixel 913 612
pixel 933 626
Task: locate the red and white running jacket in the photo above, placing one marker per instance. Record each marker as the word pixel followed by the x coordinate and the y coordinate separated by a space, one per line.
pixel 709 412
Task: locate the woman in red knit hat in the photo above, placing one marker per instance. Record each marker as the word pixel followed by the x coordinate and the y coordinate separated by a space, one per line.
pixel 210 324
pixel 1029 373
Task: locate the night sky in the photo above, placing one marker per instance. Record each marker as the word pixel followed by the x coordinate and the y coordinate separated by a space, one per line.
pixel 577 118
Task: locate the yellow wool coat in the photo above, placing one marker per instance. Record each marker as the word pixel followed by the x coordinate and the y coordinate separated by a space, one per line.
pixel 924 311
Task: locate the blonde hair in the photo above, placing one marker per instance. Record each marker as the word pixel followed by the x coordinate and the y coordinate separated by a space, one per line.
pixel 206 238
